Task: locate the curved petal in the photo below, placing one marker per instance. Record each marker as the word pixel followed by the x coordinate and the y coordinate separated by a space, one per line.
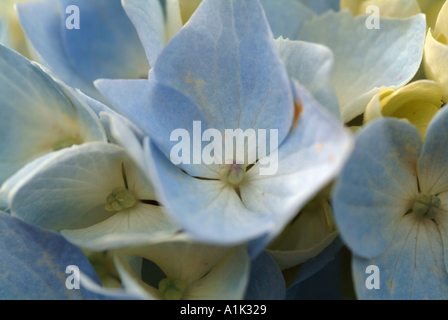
pixel 128 227
pixel 286 17
pixel 266 280
pixel 41 21
pixel 377 186
pixel 224 61
pixel 311 64
pixel 313 266
pixel 34 263
pixel 226 281
pixel 432 173
pixel 434 62
pixel 69 190
pixel 362 69
pixel 148 18
pixel 106 45
pixel 33 105
pixel 412 267
pixel 304 238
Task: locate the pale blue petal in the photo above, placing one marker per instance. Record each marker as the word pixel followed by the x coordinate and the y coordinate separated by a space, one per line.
pixel 412 267
pixel 106 45
pixel 367 61
pixel 225 62
pixel 34 262
pixel 311 64
pixel 322 6
pixel 103 112
pixel 266 280
pixel 286 17
pixel 149 20
pixel 41 21
pixel 432 173
pixel 130 227
pixel 69 190
pixel 209 209
pixel 36 113
pixel 154 116
pixel 311 156
pixel 377 186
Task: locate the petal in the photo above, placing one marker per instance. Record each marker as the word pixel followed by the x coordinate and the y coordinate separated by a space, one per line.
pixel 226 281
pixel 417 102
pixel 286 17
pixel 69 190
pixel 311 64
pixel 133 226
pixel 225 62
pixel 304 238
pixel 392 9
pixel 34 263
pixel 183 259
pixel 208 209
pixel 412 267
pixel 377 186
pixel 313 266
pixel 436 54
pixel 34 105
pixel 431 8
pixel 266 280
pixel 106 45
pixel 148 18
pixel 432 172
pixel 41 21
pixel 367 60
pixel 321 6
pixel 313 154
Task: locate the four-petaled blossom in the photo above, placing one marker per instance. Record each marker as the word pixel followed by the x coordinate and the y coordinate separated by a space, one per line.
pixel 224 70
pixel 391 207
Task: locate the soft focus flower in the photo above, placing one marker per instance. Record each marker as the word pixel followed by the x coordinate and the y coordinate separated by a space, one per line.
pixel 38 114
pixel 391 207
pixel 190 271
pixel 417 102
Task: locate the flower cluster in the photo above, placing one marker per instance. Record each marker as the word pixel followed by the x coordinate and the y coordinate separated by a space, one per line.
pixel 222 149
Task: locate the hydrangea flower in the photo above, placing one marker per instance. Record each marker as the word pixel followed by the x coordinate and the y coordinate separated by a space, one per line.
pixel 223 69
pixel 192 271
pixel 39 114
pixel 390 205
pixel 94 193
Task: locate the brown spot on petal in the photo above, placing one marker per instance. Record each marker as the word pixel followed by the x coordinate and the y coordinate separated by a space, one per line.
pixel 298 110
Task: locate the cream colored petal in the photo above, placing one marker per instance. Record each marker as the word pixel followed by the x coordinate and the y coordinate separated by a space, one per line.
pixel 435 60
pixel 388 8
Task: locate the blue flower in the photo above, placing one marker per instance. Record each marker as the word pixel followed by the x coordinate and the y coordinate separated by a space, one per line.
pixel 223 69
pixel 391 206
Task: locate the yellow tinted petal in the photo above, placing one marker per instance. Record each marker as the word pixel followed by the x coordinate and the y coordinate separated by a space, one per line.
pixel 394 9
pixel 435 62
